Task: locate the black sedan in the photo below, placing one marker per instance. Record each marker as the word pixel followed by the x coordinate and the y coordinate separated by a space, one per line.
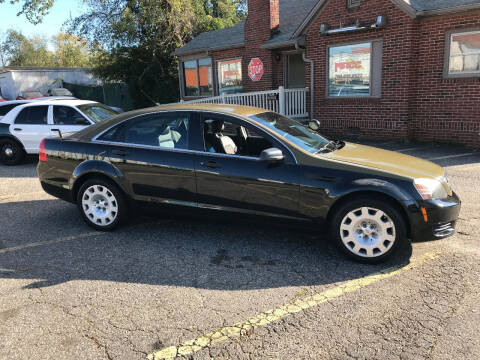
pixel 244 160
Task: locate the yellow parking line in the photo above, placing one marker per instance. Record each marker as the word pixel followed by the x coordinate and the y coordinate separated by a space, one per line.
pixel 42 243
pixel 243 328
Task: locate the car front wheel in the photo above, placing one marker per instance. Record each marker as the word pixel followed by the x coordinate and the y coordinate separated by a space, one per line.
pixel 368 230
pixel 11 152
pixel 102 204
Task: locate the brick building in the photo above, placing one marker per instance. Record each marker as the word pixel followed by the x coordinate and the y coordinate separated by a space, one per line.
pixel 404 69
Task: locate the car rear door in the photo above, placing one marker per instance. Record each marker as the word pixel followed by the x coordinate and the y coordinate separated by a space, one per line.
pixel 242 182
pixel 151 152
pixel 31 126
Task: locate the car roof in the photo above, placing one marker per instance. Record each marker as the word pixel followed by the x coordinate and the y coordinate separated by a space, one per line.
pixel 11 102
pixel 239 110
pixel 57 101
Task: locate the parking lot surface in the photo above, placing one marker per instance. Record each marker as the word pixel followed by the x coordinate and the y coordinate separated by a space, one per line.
pixel 165 287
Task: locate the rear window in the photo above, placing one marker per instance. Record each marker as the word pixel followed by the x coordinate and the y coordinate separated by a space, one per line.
pixel 4 110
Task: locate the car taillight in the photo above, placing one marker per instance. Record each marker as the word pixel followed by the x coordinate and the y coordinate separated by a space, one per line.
pixel 42 155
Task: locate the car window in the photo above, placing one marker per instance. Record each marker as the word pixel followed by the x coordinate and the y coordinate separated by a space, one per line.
pixel 65 115
pixel 292 130
pixel 33 115
pixel 4 110
pixel 159 130
pixel 233 138
pixel 97 112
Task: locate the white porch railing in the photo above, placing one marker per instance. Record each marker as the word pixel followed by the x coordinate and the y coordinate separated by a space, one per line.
pixel 288 102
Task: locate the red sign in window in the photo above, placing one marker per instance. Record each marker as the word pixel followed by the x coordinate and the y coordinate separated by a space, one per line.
pixel 255 69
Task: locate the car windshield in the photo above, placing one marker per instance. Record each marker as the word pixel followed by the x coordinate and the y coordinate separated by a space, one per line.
pixel 97 112
pixel 292 131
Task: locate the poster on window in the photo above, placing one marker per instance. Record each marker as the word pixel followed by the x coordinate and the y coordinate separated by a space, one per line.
pixel 465 53
pixel 349 70
pixel 230 76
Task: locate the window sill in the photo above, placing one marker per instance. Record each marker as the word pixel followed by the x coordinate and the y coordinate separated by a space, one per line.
pixel 461 76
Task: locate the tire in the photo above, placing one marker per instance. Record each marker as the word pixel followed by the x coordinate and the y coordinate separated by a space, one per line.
pixel 11 152
pixel 102 204
pixel 369 231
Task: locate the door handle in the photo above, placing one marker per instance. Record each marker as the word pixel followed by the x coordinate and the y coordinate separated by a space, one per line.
pixel 120 152
pixel 17 129
pixel 210 164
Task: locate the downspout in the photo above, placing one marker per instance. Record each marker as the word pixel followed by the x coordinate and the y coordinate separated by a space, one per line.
pixel 312 74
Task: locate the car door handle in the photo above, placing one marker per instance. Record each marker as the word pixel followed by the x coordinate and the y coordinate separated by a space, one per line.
pixel 120 152
pixel 211 164
pixel 17 129
pixel 56 130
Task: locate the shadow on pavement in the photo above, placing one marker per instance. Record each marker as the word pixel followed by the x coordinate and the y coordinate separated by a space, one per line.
pixel 210 254
pixel 28 168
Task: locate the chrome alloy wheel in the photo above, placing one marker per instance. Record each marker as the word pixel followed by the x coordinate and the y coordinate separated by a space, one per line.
pixel 367 232
pixel 8 151
pixel 100 205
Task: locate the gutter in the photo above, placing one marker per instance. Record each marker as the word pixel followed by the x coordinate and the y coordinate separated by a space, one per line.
pixel 181 54
pixel 312 72
pixel 282 44
pixel 446 11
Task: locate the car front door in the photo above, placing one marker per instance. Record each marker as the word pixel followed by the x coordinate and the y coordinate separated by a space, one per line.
pixel 31 126
pixel 235 179
pixel 151 152
pixel 68 119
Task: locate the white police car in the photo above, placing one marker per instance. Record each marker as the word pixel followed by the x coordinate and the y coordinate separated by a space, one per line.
pixel 23 128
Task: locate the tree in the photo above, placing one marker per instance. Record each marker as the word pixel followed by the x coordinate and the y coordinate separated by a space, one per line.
pixel 34 10
pixel 135 40
pixel 71 51
pixel 64 51
pixel 20 51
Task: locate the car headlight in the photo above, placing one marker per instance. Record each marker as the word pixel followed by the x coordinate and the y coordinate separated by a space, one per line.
pixel 430 189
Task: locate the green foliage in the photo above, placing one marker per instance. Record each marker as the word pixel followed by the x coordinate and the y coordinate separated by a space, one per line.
pixel 135 40
pixel 34 10
pixel 66 51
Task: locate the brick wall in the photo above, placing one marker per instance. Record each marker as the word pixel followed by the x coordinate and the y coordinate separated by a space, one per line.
pixel 444 109
pixel 257 32
pixel 416 101
pixel 388 116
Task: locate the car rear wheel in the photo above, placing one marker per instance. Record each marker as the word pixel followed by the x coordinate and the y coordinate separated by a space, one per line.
pixel 102 204
pixel 368 230
pixel 11 152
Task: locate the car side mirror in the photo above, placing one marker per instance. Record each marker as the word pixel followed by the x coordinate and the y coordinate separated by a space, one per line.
pixel 272 155
pixel 314 125
pixel 81 121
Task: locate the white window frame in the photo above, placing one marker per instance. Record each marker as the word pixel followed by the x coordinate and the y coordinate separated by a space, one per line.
pixel 448 42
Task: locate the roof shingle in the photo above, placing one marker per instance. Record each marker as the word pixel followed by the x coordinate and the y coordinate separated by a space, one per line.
pixel 292 15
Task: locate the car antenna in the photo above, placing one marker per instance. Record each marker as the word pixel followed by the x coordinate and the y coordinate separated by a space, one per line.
pixel 59 133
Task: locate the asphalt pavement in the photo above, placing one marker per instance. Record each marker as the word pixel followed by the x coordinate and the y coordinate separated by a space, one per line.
pixel 203 288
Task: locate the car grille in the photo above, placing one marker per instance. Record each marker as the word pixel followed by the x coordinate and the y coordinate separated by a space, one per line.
pixel 444 230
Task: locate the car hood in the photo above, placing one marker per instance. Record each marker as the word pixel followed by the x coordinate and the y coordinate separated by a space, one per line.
pixel 390 161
